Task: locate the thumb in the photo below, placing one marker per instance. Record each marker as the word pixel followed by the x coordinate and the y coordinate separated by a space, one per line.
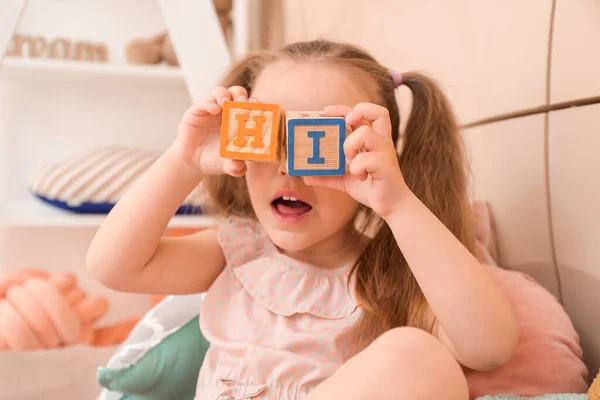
pixel 332 182
pixel 235 168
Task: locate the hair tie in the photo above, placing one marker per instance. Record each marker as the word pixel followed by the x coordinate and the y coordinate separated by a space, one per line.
pixel 397 77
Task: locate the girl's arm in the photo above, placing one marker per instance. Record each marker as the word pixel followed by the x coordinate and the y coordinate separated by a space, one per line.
pixel 475 319
pixel 129 252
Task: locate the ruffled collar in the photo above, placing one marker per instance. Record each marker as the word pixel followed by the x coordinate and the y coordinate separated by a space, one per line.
pixel 286 286
pixel 289 288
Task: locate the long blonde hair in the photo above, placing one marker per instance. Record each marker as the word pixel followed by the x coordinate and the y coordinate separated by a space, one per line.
pixel 432 162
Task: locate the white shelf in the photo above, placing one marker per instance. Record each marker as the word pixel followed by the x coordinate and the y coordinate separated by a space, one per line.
pixel 28 69
pixel 34 213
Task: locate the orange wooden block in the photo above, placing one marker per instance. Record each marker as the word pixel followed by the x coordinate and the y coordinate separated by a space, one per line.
pixel 251 131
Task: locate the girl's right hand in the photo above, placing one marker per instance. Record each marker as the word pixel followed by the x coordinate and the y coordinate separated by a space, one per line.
pixel 198 136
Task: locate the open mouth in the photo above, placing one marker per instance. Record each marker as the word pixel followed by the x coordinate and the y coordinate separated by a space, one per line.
pixel 290 206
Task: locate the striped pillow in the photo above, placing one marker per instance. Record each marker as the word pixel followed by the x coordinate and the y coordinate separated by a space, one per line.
pixel 92 182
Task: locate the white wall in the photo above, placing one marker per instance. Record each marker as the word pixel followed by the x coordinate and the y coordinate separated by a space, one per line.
pixel 490 56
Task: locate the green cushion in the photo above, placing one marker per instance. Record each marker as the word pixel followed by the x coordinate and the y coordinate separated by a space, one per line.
pixel 158 364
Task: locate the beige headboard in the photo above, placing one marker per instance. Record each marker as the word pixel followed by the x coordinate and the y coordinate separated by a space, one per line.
pixel 527 72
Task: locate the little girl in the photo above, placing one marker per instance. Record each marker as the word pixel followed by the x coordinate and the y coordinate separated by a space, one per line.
pixel 355 287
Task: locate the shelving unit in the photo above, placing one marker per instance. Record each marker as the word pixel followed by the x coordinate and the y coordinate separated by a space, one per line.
pixel 48 70
pixel 52 110
pixel 35 214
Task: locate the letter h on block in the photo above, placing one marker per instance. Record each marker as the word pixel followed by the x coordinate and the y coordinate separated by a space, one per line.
pixel 315 144
pixel 250 131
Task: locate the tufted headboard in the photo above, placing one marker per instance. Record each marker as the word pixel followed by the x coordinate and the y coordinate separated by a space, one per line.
pixel 537 167
pixel 529 100
pixel 538 175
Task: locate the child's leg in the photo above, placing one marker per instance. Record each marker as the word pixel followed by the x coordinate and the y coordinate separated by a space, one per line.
pixel 404 363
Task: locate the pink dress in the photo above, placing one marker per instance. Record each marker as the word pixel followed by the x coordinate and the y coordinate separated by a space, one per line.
pixel 277 327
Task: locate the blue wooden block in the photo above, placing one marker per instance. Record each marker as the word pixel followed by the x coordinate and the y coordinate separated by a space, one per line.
pixel 315 144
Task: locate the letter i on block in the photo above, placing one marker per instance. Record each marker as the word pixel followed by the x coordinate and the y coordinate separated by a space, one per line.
pixel 250 131
pixel 315 144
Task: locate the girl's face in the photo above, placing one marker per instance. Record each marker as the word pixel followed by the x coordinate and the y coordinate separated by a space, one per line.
pixel 320 221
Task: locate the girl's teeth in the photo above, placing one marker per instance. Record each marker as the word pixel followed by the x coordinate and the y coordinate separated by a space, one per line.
pixel 286 198
pixel 293 199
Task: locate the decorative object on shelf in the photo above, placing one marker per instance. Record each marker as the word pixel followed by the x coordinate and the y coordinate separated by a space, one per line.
pixel 151 51
pixel 145 51
pixel 42 311
pixel 59 48
pixel 39 311
pixel 168 52
pixel 93 181
pixel 159 48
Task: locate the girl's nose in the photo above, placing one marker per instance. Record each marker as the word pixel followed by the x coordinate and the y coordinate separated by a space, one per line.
pixel 281 169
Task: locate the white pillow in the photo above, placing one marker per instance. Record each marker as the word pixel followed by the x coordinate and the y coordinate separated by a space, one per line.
pixel 92 182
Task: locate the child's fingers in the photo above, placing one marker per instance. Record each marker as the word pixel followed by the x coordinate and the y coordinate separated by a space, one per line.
pixel 365 164
pixel 362 138
pixel 204 108
pixel 238 93
pixel 378 116
pixel 353 118
pixel 235 168
pixel 337 110
pixel 221 94
pixel 253 100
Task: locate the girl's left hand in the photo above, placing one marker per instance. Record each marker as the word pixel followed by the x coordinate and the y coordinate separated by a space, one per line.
pixel 373 176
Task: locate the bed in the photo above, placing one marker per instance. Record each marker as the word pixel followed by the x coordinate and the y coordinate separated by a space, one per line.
pixel 532 158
